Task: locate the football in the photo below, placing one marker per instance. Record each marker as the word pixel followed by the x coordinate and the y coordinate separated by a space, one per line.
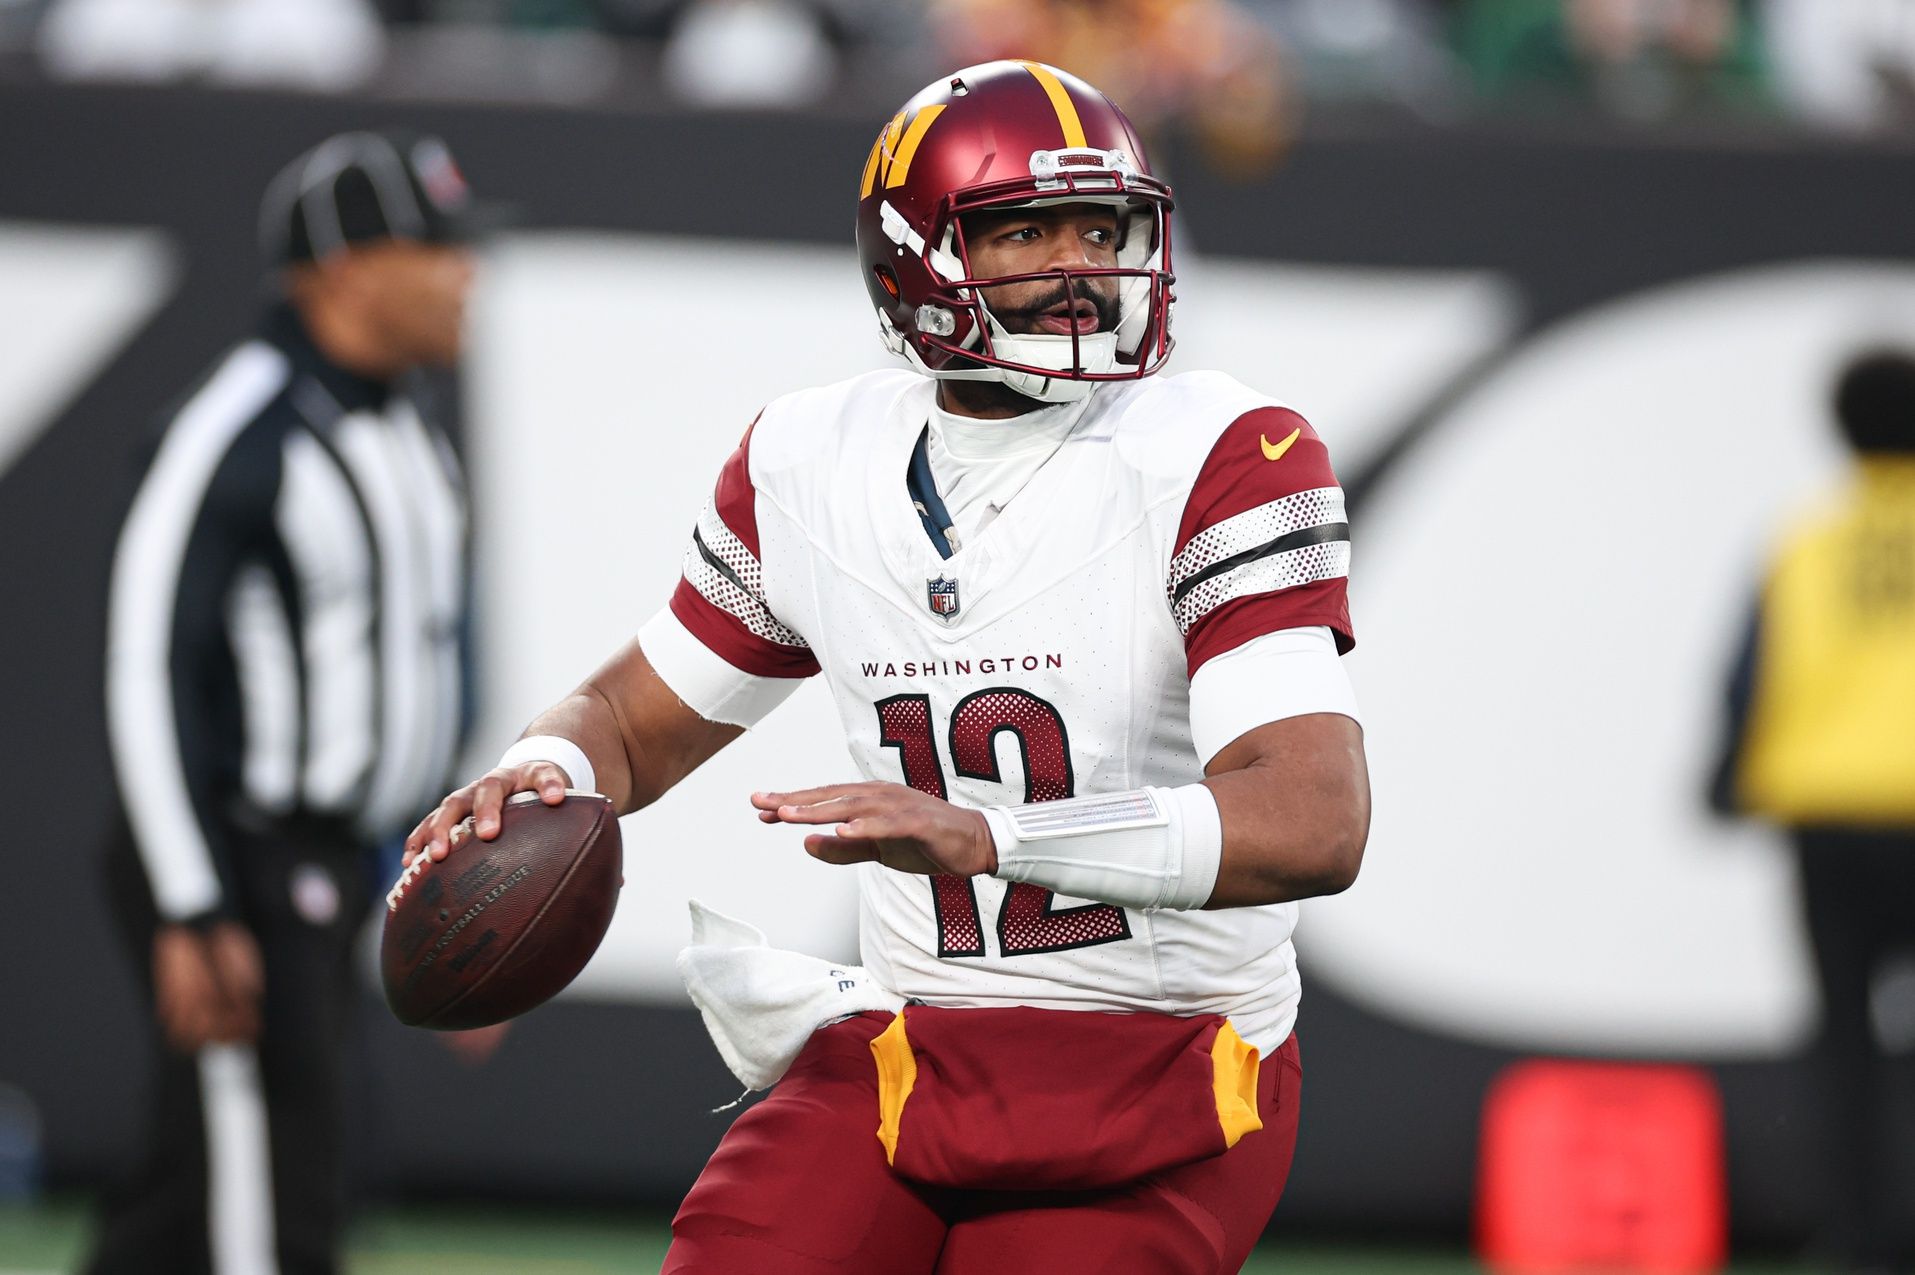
pixel 498 927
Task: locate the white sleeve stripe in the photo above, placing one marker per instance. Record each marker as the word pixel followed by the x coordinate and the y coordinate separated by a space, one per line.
pixel 1242 532
pixel 1329 560
pixel 142 727
pixel 728 575
pixel 728 551
pixel 719 585
pixel 1328 533
pixel 704 680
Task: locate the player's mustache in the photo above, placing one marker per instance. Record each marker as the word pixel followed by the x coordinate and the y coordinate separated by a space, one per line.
pixel 1082 290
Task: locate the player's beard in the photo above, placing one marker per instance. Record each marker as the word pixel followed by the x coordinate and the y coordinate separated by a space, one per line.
pixel 994 398
pixel 1023 320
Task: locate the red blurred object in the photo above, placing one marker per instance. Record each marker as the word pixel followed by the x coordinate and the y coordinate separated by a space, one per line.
pixel 1602 1167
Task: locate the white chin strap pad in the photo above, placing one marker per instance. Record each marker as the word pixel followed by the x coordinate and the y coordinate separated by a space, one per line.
pixel 1047 389
pixel 1098 350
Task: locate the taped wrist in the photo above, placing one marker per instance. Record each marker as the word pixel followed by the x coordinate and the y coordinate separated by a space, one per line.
pixel 558 750
pixel 1146 848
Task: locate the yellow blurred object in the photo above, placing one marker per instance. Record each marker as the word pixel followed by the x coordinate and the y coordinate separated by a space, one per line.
pixel 1829 738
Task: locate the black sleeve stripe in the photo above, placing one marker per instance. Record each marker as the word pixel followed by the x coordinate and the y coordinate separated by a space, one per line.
pixel 1325 534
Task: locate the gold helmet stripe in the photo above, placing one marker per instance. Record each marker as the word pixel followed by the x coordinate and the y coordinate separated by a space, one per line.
pixel 880 161
pixel 1060 102
pixel 901 164
pixel 871 164
pixel 890 159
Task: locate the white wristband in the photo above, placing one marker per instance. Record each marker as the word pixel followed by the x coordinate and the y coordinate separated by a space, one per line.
pixel 561 752
pixel 1146 848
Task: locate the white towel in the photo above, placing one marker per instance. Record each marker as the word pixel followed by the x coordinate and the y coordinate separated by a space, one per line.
pixel 761 1004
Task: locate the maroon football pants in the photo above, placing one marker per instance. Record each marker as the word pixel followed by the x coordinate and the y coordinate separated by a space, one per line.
pixel 800 1186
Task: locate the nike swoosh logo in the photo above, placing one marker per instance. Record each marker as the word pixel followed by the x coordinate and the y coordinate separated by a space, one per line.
pixel 1275 451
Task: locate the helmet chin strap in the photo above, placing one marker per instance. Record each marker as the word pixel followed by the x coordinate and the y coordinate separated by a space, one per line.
pixel 1098 350
pixel 1048 389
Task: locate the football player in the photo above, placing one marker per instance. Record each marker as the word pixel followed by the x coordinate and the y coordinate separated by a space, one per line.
pixel 1082 622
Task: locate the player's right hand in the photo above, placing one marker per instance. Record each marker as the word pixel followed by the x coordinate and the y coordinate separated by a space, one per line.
pixel 481 801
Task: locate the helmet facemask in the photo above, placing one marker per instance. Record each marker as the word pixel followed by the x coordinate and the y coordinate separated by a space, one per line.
pixel 960 336
pixel 1117 296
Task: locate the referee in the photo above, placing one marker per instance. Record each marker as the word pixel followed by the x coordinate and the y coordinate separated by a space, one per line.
pixel 285 691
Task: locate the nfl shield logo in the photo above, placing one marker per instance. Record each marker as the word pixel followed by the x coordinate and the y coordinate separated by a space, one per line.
pixel 942 596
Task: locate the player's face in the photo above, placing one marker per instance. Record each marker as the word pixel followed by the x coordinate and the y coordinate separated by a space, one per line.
pixel 1056 237
pixel 418 293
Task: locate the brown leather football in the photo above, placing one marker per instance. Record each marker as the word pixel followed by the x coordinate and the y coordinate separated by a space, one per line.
pixel 498 927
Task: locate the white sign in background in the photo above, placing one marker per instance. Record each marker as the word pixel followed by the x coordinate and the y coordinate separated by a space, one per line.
pixel 1548 594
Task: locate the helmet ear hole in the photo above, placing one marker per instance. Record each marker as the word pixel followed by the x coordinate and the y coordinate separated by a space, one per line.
pixel 887 280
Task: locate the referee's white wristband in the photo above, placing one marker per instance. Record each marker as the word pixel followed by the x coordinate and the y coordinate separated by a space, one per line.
pixel 1146 848
pixel 558 750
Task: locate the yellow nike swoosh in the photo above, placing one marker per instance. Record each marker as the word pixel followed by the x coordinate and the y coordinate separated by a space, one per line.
pixel 1275 451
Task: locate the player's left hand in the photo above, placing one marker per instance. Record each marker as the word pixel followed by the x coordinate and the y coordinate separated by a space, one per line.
pixel 899 827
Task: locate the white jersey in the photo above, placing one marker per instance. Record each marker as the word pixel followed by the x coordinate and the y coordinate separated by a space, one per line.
pixel 1048 656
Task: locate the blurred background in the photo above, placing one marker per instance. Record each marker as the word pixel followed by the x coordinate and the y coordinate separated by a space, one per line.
pixel 1565 284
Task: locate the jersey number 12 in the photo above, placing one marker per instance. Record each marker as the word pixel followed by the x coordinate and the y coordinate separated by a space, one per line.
pixel 1028 920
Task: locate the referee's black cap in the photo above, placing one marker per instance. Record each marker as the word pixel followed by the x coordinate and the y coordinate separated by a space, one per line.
pixel 360 187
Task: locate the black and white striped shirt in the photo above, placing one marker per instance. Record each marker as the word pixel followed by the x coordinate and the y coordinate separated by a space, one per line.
pixel 286 632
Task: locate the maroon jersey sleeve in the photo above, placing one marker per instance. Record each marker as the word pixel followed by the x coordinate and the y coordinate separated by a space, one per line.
pixel 1264 543
pixel 721 596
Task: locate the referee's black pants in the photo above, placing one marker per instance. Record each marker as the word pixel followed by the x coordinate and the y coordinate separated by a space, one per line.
pixel 1858 897
pixel 240 1171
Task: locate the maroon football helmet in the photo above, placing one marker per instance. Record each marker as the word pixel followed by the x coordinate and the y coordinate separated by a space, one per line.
pixel 1006 135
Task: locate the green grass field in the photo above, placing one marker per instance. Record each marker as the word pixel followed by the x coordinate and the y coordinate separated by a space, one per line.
pixel 527 1241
